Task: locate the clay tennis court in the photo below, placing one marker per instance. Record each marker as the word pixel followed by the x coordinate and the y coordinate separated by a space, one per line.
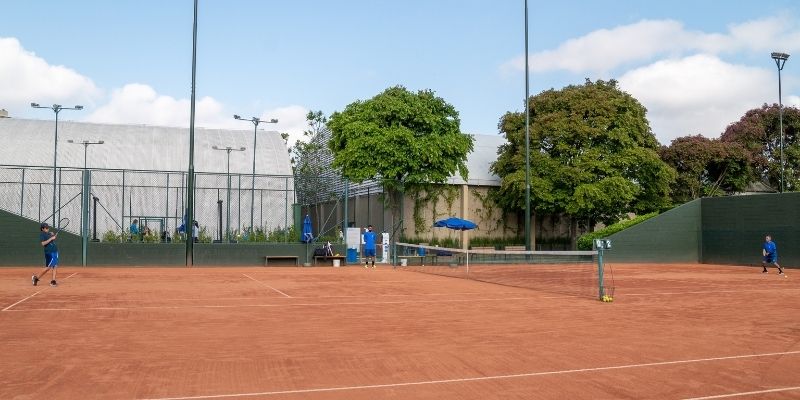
pixel 673 332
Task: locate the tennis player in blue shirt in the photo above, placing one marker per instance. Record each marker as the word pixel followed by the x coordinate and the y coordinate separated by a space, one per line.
pixel 369 246
pixel 48 241
pixel 770 253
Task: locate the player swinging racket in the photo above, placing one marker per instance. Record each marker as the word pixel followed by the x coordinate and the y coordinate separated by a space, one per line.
pixel 48 240
pixel 770 253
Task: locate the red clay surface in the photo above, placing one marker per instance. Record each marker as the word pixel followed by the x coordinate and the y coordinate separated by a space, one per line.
pixel 673 332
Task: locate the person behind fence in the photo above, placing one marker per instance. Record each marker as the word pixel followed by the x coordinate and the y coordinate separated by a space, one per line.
pixel 48 242
pixel 370 238
pixel 165 237
pixel 196 232
pixel 134 229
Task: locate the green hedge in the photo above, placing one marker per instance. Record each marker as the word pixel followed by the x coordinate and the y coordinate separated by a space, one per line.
pixel 585 241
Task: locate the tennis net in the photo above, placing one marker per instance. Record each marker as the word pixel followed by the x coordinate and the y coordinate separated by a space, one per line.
pixel 564 272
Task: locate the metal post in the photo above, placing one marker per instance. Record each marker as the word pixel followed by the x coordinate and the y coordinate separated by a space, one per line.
pixel 22 194
pixel 190 177
pixel 94 220
pixel 219 214
pixel 600 271
pixel 255 122
pixel 56 109
pixel 286 210
pixel 85 215
pixel 780 61
pixel 527 142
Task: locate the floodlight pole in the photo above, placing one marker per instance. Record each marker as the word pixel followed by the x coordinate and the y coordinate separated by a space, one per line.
pixel 228 150
pixel 527 142
pixel 56 109
pixel 255 122
pixel 189 224
pixel 85 199
pixel 780 60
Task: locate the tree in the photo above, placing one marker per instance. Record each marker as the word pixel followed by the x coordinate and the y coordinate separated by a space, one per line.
pixel 593 156
pixel 314 182
pixel 706 167
pixel 758 132
pixel 401 139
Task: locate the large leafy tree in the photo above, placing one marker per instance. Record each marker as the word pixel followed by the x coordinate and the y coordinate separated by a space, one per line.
pixel 758 131
pixel 593 156
pixel 401 139
pixel 706 167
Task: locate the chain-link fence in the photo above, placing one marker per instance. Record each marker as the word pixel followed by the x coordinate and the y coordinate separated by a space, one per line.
pixel 227 207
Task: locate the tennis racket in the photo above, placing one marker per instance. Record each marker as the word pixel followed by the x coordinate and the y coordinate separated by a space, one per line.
pixel 62 224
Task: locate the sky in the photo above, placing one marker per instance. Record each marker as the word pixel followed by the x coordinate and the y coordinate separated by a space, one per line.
pixel 697 66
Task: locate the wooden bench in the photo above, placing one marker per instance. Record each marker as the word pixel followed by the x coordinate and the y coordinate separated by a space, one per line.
pixel 295 258
pixel 514 248
pixel 331 258
pixel 483 248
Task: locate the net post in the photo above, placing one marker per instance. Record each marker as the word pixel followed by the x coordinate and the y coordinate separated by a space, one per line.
pixel 600 272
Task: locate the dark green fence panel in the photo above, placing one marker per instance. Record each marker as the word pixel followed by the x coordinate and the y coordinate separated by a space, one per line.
pixel 734 228
pixel 19 243
pixel 136 254
pixel 671 237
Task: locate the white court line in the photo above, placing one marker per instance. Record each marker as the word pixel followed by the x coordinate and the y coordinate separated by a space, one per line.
pixel 480 378
pixel 722 396
pixel 278 305
pixel 31 296
pixel 708 292
pixel 267 285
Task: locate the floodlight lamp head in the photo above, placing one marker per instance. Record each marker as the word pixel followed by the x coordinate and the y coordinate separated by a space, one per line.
pixel 70 141
pixel 235 116
pixel 273 121
pixel 78 107
pixel 215 147
pixel 779 56
pixel 101 142
pixel 34 105
pixel 241 148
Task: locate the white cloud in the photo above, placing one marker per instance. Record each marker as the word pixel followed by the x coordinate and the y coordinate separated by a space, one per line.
pixel 138 103
pixel 26 78
pixel 291 119
pixel 697 95
pixel 604 50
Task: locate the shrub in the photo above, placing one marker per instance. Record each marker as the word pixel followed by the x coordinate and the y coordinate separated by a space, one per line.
pixel 585 241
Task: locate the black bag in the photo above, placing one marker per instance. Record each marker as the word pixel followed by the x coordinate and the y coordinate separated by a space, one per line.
pixel 320 252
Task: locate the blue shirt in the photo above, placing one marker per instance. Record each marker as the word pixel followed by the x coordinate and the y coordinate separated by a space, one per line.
pixel 134 229
pixel 771 249
pixel 369 240
pixel 49 248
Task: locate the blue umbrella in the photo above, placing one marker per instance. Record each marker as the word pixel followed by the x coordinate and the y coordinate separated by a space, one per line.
pixel 459 225
pixel 307 235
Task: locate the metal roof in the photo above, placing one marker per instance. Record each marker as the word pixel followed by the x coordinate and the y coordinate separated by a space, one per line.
pixel 143 147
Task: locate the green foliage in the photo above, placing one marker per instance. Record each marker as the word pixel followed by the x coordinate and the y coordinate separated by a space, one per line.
pixel 448 242
pixel 758 132
pixel 203 236
pixel 593 155
pixel 115 237
pixel 400 138
pixel 585 241
pixel 426 197
pixel 706 167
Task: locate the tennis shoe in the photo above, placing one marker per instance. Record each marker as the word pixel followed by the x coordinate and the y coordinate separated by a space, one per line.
pixel 53 283
pixel 35 280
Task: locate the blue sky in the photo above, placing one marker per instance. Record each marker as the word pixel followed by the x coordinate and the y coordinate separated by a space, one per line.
pixel 696 65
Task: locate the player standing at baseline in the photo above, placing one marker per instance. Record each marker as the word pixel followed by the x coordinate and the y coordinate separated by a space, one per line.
pixel 48 241
pixel 369 246
pixel 770 252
